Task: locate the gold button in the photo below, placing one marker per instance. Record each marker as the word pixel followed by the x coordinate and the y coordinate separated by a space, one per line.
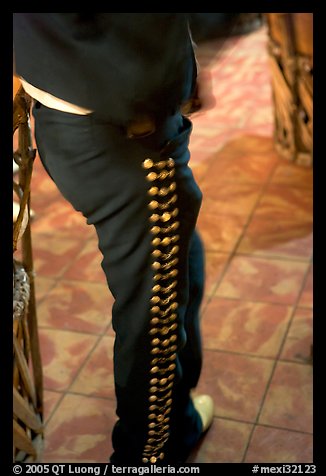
pixel 156 265
pixel 155 299
pixel 154 370
pixel 175 249
pixel 145 460
pixel 173 338
pixel 169 402
pixel 155 341
pixel 157 277
pixel 163 175
pixel 156 288
pixel 153 389
pixel 170 162
pixel 155 351
pixel 153 205
pixel 173 348
pixel 156 241
pixel 153 191
pixel 153 381
pixel 152 432
pixel 174 305
pixel 153 398
pixel 151 176
pixel 166 241
pixel 165 330
pixel 155 309
pixel 161 164
pixel 161 456
pixel 175 212
pixel 151 425
pixel 163 381
pixel 166 216
pixel 152 408
pixel 153 331
pixel 156 253
pixel 166 342
pixel 154 218
pixel 155 230
pixel 171 367
pixel 155 321
pixel 171 376
pixel 148 164
pixel 153 459
pixel 160 418
pixel 151 416
pixel 155 361
pixel 175 238
pixel 173 273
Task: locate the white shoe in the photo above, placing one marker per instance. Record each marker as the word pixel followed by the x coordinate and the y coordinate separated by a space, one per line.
pixel 204 405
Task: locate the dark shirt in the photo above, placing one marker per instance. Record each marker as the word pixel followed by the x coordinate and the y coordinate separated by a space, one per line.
pixel 120 65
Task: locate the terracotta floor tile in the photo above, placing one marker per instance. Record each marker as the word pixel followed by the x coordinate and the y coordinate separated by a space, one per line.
pixel 306 298
pixel 289 238
pixel 250 167
pixel 292 175
pixel 96 378
pixel 61 217
pixel 87 266
pixel 42 287
pixel 63 353
pixel 80 431
pixel 289 402
pixel 258 279
pixel 52 255
pixel 244 327
pixel 236 382
pixel 77 306
pixel 298 343
pixel 229 199
pixel 272 445
pixel 220 232
pixel 225 442
pixel 214 266
pixel 281 202
pixel 51 400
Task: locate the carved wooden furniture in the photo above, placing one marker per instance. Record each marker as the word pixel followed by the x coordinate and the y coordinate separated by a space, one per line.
pixel 27 368
pixel 290 50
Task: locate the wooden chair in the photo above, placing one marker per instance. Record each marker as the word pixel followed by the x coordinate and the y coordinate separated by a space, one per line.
pixel 290 48
pixel 27 366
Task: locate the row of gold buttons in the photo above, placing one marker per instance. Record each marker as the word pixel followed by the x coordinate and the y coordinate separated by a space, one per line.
pixel 163 325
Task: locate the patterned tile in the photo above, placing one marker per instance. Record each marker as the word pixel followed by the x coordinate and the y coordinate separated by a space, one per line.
pixel 288 238
pixel 292 175
pixel 267 280
pixel 63 353
pixel 286 203
pixel 52 255
pixel 273 445
pixel 289 402
pixel 298 343
pixel 236 382
pixel 80 431
pixel 237 166
pixel 96 378
pixel 244 327
pixel 220 232
pixel 215 264
pixel 229 199
pixel 225 442
pixel 87 266
pixel 77 306
pixel 59 215
pixel 42 287
pixel 51 400
pixel 306 298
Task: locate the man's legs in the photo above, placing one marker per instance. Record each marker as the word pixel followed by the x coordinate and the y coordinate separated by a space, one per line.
pixel 142 199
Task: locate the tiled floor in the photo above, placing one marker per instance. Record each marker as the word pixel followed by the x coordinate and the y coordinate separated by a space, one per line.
pixel 256 222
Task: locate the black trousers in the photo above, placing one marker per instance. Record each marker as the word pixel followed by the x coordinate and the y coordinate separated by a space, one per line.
pixel 142 199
